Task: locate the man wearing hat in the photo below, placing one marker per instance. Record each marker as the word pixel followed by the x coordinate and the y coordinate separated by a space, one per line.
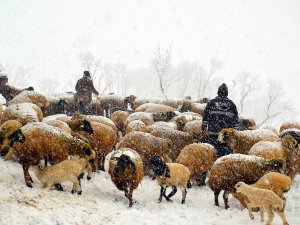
pixel 85 88
pixel 8 91
pixel 219 113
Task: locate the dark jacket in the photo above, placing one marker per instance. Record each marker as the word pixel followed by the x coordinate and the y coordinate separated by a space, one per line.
pixel 84 88
pixel 220 113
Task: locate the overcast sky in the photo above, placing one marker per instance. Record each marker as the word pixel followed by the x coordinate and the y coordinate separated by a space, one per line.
pixel 258 36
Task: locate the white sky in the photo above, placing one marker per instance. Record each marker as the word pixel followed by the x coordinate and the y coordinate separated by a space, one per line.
pixel 258 36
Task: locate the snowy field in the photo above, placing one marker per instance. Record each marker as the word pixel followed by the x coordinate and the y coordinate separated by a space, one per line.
pixel 102 203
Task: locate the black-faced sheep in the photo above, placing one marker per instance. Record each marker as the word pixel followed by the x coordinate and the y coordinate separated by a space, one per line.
pixel 39 141
pixel 289 125
pixel 264 199
pixel 170 174
pixel 230 169
pixel 199 158
pixel 126 171
pixel 147 146
pixel 242 141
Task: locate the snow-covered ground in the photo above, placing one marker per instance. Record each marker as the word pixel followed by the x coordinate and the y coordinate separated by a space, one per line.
pixel 102 203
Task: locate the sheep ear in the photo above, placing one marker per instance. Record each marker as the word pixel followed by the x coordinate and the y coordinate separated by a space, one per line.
pixel 168 174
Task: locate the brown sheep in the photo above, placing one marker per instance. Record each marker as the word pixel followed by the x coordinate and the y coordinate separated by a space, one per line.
pixel 242 141
pixel 264 199
pixel 102 139
pixel 39 141
pixel 247 123
pixel 119 118
pixel 286 149
pixel 71 104
pixel 192 107
pixel 56 106
pixel 23 112
pixel 276 182
pixel 199 158
pixel 170 174
pixel 179 140
pixel 230 169
pixel 126 171
pixel 146 118
pixel 60 124
pixel 154 108
pixel 194 128
pixel 30 97
pixel 111 103
pixel 288 125
pixel 147 146
pixel 136 125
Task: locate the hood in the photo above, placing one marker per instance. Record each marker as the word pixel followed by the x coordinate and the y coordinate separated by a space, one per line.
pixel 223 90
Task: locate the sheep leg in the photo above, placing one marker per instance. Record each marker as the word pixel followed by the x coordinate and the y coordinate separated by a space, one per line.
pixel 89 166
pixel 173 192
pixel 270 215
pixel 249 207
pixel 27 177
pixel 217 198
pixel 102 161
pixel 183 195
pixel 166 197
pixel 261 209
pixel 162 192
pixel 130 197
pixel 225 197
pixel 283 217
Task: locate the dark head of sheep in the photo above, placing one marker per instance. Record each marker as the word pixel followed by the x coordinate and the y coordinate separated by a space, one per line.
pixel 124 162
pixel 16 136
pixel 159 166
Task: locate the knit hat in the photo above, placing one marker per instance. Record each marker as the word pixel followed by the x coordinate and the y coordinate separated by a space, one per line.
pixel 223 90
pixel 87 74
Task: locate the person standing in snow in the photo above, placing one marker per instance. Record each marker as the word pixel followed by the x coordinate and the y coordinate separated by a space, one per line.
pixel 8 91
pixel 84 90
pixel 219 113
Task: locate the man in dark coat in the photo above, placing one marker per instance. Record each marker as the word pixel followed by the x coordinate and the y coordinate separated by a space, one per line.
pixel 219 113
pixel 85 88
pixel 8 91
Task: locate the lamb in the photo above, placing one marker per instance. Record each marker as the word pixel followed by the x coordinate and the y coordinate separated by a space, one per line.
pixel 23 112
pixel 286 149
pixel 67 170
pixel 84 162
pixel 179 139
pixel 126 171
pixel 147 146
pixel 199 158
pixel 230 169
pixel 242 141
pixel 170 174
pixel 264 199
pixel 39 141
pixel 276 182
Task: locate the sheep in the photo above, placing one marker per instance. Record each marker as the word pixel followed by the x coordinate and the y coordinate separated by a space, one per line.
pixel 23 112
pixel 84 162
pixel 194 128
pixel 154 108
pixel 170 174
pixel 39 141
pixel 199 158
pixel 30 97
pixel 67 170
pixel 288 125
pixel 242 141
pixel 276 182
pixel 61 117
pixel 56 106
pixel 136 125
pixel 6 129
pixel 247 123
pixel 119 118
pixel 179 139
pixel 294 132
pixel 111 103
pixel 230 169
pixel 264 199
pixel 147 146
pixel 286 149
pixel 126 171
pixel 71 104
pixel 102 139
pixel 60 124
pixel 146 118
pixel 192 107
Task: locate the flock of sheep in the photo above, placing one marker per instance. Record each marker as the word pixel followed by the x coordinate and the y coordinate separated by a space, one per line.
pixel 131 138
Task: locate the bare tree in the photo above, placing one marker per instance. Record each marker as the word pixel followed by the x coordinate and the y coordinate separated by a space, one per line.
pixel 161 64
pixel 18 75
pixel 246 84
pixel 274 106
pixel 204 78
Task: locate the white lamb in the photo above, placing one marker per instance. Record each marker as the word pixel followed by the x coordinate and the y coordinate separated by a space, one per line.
pixel 263 199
